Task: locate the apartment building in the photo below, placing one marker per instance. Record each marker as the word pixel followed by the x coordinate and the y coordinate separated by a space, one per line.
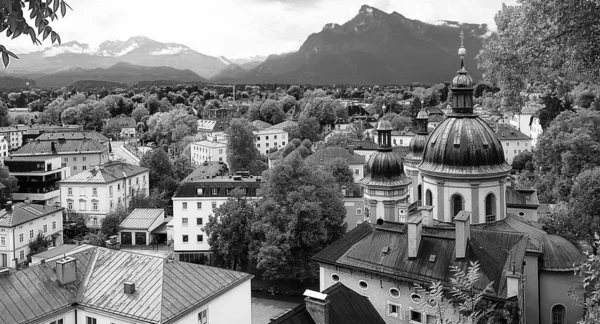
pixel 37 178
pixel 21 223
pixel 270 139
pixel 514 142
pixel 97 191
pixel 207 151
pixel 78 155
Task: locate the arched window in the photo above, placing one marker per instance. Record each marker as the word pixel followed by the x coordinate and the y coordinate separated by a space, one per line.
pixel 420 195
pixel 558 314
pixel 428 198
pixel 457 204
pixel 490 208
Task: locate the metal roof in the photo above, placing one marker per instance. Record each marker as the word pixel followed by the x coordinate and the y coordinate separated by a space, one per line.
pixel 25 212
pixel 106 173
pixel 164 290
pixel 84 146
pixel 331 153
pixel 52 252
pixel 508 132
pixel 142 218
pixel 72 135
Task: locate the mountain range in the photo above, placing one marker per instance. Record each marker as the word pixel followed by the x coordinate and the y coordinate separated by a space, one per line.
pixel 374 47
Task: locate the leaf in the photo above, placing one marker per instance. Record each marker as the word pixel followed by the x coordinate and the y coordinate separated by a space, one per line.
pixel 53 37
pixel 32 35
pixel 5 59
pixel 33 13
pixel 55 7
pixel 12 22
pixel 63 8
pixel 58 38
pixel 13 55
pixel 17 33
pixel 47 31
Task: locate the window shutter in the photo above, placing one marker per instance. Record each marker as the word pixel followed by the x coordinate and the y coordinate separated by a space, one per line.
pixel 406 315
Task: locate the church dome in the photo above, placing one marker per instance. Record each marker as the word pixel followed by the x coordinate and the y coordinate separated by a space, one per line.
pixel 384 125
pixel 462 80
pixel 416 147
pixel 385 169
pixel 464 146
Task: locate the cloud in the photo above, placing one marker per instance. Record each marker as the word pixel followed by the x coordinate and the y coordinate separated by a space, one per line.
pixel 126 50
pixel 72 48
pixel 170 51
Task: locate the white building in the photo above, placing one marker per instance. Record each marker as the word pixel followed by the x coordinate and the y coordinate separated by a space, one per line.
pixel 21 223
pixel 4 146
pixel 195 200
pixel 535 130
pixel 206 151
pixel 513 141
pixel 94 285
pixel 97 191
pixel 137 228
pixel 270 139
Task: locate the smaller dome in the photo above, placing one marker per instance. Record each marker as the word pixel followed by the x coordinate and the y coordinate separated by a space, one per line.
pixel 417 146
pixel 384 125
pixel 423 114
pixel 385 168
pixel 462 80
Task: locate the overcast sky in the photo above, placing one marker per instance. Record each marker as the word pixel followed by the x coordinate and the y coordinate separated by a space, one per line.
pixel 238 28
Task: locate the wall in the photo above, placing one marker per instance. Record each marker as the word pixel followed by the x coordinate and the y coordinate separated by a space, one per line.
pixel 357 171
pixel 354 211
pixel 528 213
pixel 465 189
pixel 532 290
pixel 553 290
pixel 268 139
pixel 82 162
pixel 68 318
pixel 209 152
pixel 378 292
pixel 234 306
pixel 192 230
pixel 513 148
pixel 101 317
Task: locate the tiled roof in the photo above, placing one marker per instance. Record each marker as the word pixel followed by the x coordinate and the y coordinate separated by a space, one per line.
pixel 345 307
pixel 221 184
pixel 207 169
pixel 259 124
pixel 330 153
pixel 507 132
pixel 366 252
pixel 142 218
pixel 106 173
pixel 73 135
pixel 61 147
pixel 164 290
pixel 282 125
pixel 24 212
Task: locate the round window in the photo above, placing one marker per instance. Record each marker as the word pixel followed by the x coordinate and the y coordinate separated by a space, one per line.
pixel 416 298
pixel 521 214
pixel 363 284
pixel 335 277
pixel 394 292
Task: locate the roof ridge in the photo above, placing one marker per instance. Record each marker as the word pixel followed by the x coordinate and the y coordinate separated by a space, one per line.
pixel 86 277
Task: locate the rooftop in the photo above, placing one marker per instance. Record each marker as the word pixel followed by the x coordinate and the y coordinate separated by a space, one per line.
pixel 56 251
pixel 331 153
pixel 106 173
pixel 165 290
pixel 210 144
pixel 127 122
pixel 72 135
pixel 142 218
pixel 84 146
pixel 508 132
pixel 206 170
pixel 20 213
pixel 345 307
pixel 260 125
pixel 285 124
pixel 218 186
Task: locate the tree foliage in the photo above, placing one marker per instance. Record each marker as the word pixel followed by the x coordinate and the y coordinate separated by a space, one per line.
pixel 301 212
pixel 228 231
pixel 172 126
pixel 523 161
pixel 112 222
pixel 37 245
pixel 570 145
pixel 542 40
pixel 340 170
pixel 241 150
pixel 160 167
pixel 15 23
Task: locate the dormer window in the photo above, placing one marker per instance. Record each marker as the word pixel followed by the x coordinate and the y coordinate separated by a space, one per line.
pixel 215 191
pixel 199 191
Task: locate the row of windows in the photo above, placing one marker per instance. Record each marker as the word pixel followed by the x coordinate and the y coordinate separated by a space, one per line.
pixel 184 221
pixel 516 151
pixel 457 203
pixel 215 192
pixel 110 188
pixel 83 204
pixel 206 150
pixel 186 239
pixel 83 158
pixel 267 144
pixel 267 137
pixel 508 144
pixel 184 205
pixel 31 234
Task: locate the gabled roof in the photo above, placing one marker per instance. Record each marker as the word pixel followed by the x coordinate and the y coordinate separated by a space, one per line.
pixel 36 147
pixel 219 185
pixel 164 290
pixel 142 218
pixel 72 135
pixel 211 126
pixel 436 118
pixel 330 153
pixel 207 169
pixel 285 124
pixel 106 173
pixel 260 125
pixel 364 248
pixel 345 307
pixel 25 212
pixel 508 132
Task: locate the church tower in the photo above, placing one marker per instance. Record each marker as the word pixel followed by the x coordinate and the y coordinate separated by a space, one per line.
pixel 463 165
pixel 415 155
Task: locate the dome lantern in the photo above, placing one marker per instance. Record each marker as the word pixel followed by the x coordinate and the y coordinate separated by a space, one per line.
pixel 462 85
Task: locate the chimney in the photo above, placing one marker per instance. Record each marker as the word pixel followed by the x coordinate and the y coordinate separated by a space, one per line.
pixel 351 149
pixel 427 213
pixel 27 200
pixel 317 306
pixel 66 270
pixel 129 287
pixel 52 147
pixel 463 233
pixel 8 206
pixel 414 235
